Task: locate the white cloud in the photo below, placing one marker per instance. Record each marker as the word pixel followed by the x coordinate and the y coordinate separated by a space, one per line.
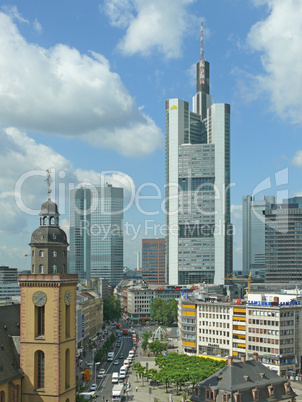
pixel 159 25
pixel 279 39
pixel 14 14
pixel 62 92
pixel 37 26
pixel 297 159
pixel 23 163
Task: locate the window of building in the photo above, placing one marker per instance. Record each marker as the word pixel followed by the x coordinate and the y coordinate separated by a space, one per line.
pixel 54 269
pixel 54 254
pixel 15 393
pixel 2 396
pixel 41 253
pixel 255 392
pixel 271 390
pixel 209 394
pixel 237 396
pixel 41 269
pixel 67 368
pixel 40 320
pixel 225 397
pixel 39 368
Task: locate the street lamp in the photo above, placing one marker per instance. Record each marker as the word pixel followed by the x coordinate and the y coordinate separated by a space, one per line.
pixel 95 365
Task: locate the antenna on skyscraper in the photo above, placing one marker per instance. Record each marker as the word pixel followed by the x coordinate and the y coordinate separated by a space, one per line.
pixel 201 40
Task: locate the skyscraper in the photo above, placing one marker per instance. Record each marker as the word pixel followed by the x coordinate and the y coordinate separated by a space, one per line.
pixel 153 261
pixel 283 241
pixel 96 233
pixel 199 240
pixel 253 235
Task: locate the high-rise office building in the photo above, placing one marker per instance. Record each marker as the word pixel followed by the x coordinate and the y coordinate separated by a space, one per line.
pixel 96 233
pixel 199 239
pixel 283 241
pixel 153 261
pixel 253 235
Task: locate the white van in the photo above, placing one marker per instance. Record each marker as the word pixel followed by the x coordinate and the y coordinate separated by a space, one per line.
pixel 115 377
pixel 123 372
pixel 110 356
pixel 131 353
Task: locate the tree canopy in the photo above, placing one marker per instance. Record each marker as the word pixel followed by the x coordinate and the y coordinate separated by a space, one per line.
pixel 157 347
pixel 164 310
pixel 179 369
pixel 112 308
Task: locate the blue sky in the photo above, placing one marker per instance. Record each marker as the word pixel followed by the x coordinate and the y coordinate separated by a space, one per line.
pixel 83 86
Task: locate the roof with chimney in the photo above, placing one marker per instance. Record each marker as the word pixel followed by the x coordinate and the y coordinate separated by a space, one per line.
pixel 242 378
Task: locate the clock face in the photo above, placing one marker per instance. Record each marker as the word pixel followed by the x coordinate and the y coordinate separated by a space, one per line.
pixel 39 298
pixel 67 297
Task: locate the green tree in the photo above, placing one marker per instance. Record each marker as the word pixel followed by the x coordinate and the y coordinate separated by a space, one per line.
pixel 164 310
pixel 146 335
pixel 157 347
pixel 136 367
pixel 112 308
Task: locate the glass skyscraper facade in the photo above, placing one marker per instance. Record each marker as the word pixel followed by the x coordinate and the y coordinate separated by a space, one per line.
pixel 153 261
pixel 96 233
pixel 283 241
pixel 199 239
pixel 253 234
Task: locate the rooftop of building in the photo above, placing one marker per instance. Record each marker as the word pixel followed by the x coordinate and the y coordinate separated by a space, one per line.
pixel 9 362
pixel 10 318
pixel 243 377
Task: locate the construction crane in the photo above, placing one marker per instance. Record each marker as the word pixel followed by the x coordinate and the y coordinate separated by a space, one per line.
pixel 230 278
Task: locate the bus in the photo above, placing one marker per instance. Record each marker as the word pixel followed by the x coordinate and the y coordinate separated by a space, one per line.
pixel 125 331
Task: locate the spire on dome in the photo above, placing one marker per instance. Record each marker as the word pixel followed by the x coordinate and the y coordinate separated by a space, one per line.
pixel 49 181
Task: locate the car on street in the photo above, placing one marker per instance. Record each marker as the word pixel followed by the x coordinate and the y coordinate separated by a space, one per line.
pixel 116 362
pixel 101 373
pixel 121 356
pixel 93 387
pixel 121 382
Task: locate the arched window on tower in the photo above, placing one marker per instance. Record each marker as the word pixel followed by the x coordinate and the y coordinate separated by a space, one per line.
pixel 41 253
pixel 39 369
pixel 67 368
pixel 2 396
pixel 52 220
pixel 39 321
pixel 67 320
pixel 45 220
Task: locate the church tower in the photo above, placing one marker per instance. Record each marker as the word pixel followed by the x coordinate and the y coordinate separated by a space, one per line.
pixel 48 315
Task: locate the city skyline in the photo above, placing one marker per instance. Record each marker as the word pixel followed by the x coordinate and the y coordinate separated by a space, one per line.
pixel 57 112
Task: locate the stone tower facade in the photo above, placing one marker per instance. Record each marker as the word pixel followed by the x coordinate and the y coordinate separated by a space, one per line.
pixel 48 315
